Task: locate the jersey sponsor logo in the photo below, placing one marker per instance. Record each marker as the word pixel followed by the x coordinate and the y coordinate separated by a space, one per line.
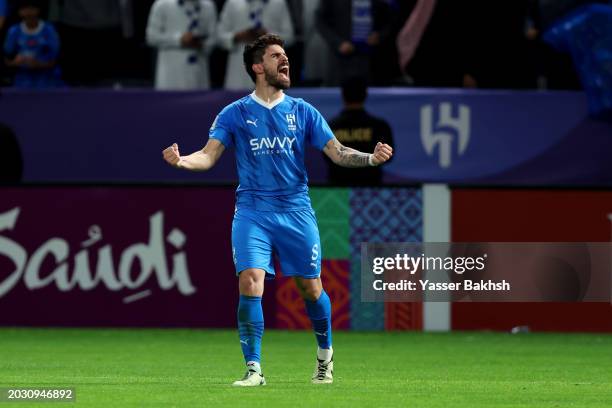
pixel 291 122
pixel 252 122
pixel 272 145
pixel 445 132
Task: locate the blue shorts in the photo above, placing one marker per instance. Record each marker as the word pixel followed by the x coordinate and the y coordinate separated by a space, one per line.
pixel 293 237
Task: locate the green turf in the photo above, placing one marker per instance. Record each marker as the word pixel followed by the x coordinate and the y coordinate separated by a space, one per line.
pixel 115 368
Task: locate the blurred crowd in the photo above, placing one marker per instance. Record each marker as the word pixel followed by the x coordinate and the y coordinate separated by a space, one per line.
pixel 197 44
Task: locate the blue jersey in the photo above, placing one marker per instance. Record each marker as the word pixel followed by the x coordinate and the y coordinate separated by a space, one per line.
pixel 3 8
pixel 270 143
pixel 41 44
pixel 586 34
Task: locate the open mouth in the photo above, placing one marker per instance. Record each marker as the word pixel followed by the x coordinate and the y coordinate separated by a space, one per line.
pixel 284 70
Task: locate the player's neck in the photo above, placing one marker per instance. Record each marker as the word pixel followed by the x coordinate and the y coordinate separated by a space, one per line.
pixel 268 94
pixel 31 25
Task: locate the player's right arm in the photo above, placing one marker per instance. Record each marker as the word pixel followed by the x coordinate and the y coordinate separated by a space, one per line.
pixel 201 160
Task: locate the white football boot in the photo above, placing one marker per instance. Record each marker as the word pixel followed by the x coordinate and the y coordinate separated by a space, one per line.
pixel 252 378
pixel 324 372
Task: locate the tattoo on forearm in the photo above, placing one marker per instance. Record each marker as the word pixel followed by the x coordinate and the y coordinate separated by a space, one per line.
pixel 348 157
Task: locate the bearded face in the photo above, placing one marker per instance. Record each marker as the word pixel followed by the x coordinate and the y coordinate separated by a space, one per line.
pixel 276 67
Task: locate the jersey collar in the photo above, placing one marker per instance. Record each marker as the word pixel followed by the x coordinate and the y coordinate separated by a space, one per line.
pixel 34 31
pixel 266 104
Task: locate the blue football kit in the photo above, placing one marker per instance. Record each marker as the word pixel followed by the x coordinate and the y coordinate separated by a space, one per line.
pixel 42 44
pixel 273 211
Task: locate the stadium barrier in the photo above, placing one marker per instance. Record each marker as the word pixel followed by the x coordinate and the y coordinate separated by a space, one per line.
pixel 442 136
pixel 532 215
pixel 59 236
pixel 151 256
pixel 161 256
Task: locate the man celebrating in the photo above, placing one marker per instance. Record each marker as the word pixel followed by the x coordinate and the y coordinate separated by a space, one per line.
pixel 269 131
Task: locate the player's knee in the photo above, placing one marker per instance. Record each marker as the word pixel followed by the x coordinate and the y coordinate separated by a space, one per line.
pixel 251 282
pixel 312 293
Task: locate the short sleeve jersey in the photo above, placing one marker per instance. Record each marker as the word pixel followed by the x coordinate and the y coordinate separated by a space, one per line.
pixel 270 143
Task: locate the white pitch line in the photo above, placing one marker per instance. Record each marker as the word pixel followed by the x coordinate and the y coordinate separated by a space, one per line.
pixel 137 296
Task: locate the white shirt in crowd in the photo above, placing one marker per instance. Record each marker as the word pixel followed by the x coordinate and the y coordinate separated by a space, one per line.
pixel 240 15
pixel 315 47
pixel 181 68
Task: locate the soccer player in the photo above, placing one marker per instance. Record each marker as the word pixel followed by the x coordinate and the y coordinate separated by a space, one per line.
pixel 269 131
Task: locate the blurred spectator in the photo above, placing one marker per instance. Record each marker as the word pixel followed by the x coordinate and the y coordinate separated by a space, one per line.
pixel 497 55
pixel 586 34
pixel 309 58
pixel 94 33
pixel 3 13
pixel 295 51
pixel 432 42
pixel 218 58
pixel 11 165
pixel 32 48
pixel 241 22
pixel 353 29
pixel 357 129
pixel 184 33
pixel 3 23
pixel 555 67
pixel 409 37
pixel 385 67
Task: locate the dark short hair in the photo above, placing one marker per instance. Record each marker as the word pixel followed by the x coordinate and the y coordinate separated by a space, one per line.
pixel 254 52
pixel 355 90
pixel 29 3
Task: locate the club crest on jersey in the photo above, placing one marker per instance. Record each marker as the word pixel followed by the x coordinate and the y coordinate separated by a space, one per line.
pixel 291 122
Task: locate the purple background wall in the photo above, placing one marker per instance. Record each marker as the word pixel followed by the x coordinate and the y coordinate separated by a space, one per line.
pixel 518 138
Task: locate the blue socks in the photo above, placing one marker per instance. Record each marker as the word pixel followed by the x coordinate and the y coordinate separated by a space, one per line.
pixel 320 316
pixel 251 324
pixel 250 327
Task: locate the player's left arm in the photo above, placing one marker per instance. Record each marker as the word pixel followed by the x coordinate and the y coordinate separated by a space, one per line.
pixel 346 157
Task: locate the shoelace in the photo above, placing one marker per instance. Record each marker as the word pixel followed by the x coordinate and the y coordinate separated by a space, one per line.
pixel 248 374
pixel 321 370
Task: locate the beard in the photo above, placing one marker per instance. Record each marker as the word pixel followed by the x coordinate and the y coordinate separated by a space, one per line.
pixel 276 80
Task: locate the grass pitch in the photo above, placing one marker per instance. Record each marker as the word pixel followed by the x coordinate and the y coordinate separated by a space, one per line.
pixel 194 368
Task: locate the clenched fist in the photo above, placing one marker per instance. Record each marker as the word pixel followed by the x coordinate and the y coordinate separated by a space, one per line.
pixel 382 154
pixel 172 155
